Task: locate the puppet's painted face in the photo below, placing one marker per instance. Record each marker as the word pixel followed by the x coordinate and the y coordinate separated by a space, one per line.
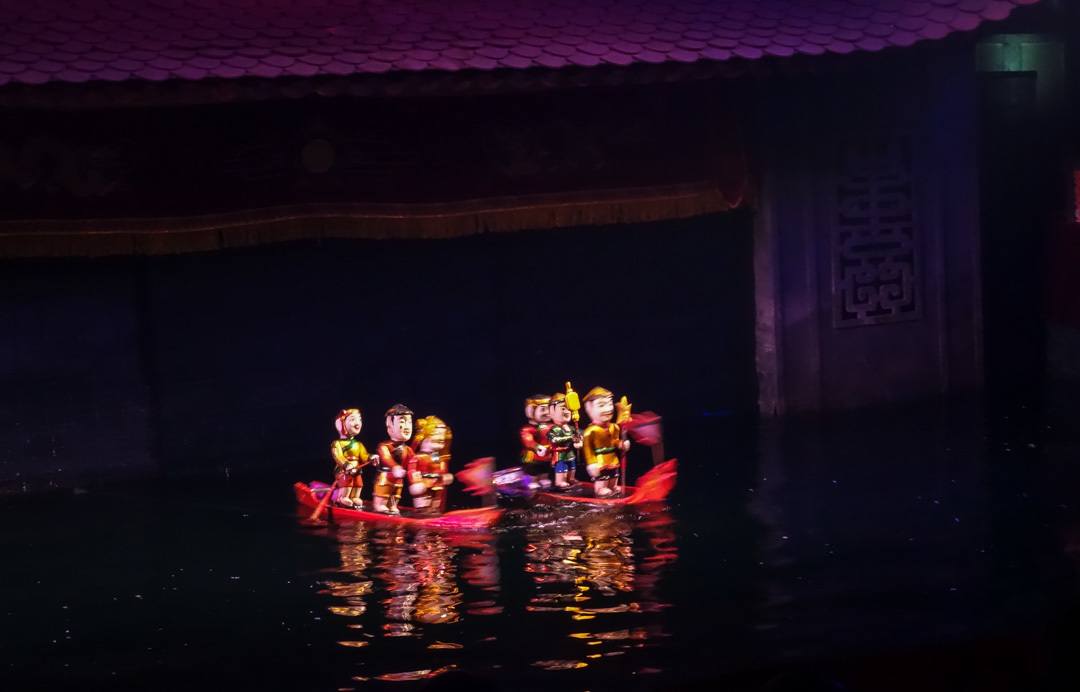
pixel 560 413
pixel 538 413
pixel 399 428
pixel 601 409
pixel 542 414
pixel 353 424
pixel 435 442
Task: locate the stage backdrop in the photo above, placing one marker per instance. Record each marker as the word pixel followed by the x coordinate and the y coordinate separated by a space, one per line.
pixel 241 358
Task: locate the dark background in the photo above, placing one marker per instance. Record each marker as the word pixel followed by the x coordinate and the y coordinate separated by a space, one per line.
pixel 201 362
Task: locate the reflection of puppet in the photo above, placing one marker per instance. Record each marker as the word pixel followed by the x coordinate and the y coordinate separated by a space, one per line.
pixel 418 575
pixel 349 457
pixel 565 441
pixel 608 553
pixel 397 571
pixel 535 448
pixel 437 594
pixel 603 439
pixel 594 550
pixel 428 482
pixel 395 459
pixel 351 590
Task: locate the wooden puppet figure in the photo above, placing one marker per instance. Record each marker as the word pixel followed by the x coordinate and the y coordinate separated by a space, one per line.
pixel 565 440
pixel 350 457
pixel 427 484
pixel 602 441
pixel 535 448
pixel 396 458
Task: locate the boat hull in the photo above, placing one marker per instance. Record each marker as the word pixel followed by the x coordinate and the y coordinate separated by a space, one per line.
pixel 460 520
pixel 654 486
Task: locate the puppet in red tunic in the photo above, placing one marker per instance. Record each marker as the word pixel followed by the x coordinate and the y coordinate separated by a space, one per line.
pixel 395 459
pixel 427 484
pixel 535 447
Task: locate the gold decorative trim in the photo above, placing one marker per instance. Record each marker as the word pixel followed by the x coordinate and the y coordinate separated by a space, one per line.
pixel 163 236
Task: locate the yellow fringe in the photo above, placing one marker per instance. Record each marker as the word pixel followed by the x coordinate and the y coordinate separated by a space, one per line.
pixel 161 236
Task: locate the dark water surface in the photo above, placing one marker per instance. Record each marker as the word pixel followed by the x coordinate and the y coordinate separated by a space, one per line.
pixel 915 549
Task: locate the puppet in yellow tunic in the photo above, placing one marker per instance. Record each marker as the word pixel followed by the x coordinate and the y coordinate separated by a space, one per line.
pixel 349 457
pixel 427 484
pixel 396 458
pixel 602 441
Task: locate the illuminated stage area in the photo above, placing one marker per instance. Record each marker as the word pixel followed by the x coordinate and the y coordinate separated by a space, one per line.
pixel 539 344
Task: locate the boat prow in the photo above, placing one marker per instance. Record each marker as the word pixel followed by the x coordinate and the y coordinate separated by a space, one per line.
pixel 459 520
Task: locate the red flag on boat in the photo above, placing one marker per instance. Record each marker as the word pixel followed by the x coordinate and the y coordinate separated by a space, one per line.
pixel 476 476
pixel 644 428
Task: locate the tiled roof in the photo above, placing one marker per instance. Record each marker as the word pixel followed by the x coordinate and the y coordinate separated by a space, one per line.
pixel 76 41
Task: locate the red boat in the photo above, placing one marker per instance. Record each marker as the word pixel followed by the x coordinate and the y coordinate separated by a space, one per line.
pixel 460 520
pixel 654 486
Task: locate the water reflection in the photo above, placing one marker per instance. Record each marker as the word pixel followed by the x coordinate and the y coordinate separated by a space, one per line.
pixel 351 591
pixel 480 570
pixel 592 559
pixel 422 581
pixel 411 574
pixel 567 562
pixel 598 567
pixel 445 592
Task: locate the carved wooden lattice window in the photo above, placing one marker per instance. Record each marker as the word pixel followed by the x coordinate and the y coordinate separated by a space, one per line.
pixel 875 256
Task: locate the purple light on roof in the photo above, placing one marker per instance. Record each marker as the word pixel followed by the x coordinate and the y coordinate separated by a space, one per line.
pixel 81 40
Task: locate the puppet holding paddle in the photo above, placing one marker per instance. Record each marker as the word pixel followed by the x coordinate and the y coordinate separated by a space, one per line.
pixel 605 445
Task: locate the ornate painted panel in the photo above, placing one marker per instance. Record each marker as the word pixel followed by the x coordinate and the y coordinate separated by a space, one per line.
pixel 876 261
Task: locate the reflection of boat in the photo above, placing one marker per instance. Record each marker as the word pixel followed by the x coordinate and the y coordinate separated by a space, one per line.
pixel 654 486
pixel 413 574
pixel 460 520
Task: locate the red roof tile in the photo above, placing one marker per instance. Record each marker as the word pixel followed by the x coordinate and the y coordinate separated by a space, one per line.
pixel 44 41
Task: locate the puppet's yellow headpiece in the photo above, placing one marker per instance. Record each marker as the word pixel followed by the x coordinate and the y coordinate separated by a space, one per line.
pixel 426 426
pixel 596 393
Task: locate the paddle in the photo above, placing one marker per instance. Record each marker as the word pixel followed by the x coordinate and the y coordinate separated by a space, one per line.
pixel 622 474
pixel 573 402
pixel 442 498
pixel 623 419
pixel 322 503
